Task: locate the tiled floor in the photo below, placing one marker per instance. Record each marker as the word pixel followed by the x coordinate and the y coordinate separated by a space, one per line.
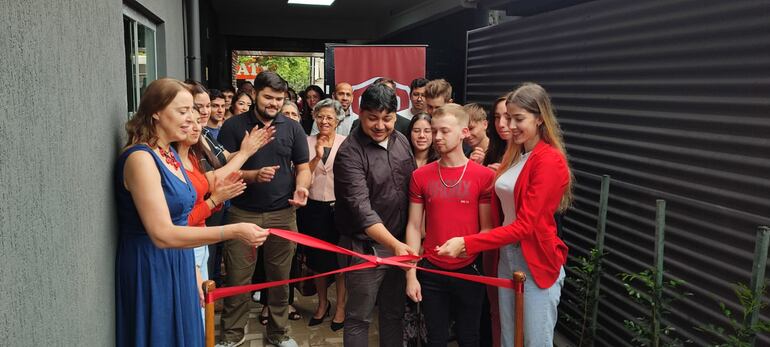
pixel 319 335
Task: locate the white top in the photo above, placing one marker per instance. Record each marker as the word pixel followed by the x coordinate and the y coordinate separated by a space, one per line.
pixel 504 189
pixel 406 113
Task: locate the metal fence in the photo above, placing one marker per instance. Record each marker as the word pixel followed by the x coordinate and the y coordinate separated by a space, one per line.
pixel 670 98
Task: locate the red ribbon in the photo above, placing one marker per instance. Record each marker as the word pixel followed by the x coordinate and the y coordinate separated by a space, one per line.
pixel 404 261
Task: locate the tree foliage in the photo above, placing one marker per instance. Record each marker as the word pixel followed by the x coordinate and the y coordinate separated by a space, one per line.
pixel 652 297
pixel 740 332
pixel 295 70
pixel 584 282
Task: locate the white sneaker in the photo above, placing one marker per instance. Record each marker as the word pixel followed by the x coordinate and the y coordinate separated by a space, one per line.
pixel 230 343
pixel 285 343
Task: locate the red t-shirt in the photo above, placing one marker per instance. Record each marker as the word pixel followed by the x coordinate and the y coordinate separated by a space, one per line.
pixel 450 212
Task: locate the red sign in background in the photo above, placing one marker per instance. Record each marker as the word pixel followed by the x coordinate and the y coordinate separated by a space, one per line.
pixel 361 65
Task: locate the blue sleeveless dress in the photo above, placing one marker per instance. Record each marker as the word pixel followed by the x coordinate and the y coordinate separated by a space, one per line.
pixel 156 293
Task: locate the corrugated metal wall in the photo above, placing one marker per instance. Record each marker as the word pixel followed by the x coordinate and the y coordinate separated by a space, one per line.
pixel 670 98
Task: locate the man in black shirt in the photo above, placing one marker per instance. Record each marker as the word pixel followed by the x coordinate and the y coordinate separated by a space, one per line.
pixel 269 201
pixel 371 179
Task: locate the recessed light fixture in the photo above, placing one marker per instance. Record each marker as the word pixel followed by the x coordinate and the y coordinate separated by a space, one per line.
pixel 312 2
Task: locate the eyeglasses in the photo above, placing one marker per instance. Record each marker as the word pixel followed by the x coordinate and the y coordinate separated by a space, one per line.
pixel 325 118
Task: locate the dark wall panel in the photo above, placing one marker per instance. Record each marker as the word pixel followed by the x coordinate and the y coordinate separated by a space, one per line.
pixel 670 98
pixel 445 56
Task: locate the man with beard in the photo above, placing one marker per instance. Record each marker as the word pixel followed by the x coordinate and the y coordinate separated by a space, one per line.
pixel 343 92
pixel 269 201
pixel 402 123
pixel 371 177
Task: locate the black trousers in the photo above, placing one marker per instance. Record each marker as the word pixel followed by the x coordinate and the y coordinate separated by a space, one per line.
pixel 447 298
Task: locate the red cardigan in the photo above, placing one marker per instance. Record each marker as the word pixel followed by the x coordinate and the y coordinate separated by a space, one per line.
pixel 537 193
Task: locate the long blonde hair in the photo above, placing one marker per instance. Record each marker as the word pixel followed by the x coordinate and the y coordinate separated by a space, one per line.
pixel 534 99
pixel 158 95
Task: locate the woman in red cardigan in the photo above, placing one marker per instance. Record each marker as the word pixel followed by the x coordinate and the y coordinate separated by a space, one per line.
pixel 533 182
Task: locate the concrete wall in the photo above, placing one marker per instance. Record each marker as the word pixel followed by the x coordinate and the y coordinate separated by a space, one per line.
pixel 63 108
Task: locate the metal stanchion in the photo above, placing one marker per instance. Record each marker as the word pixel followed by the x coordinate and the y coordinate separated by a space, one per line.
pixel 518 284
pixel 208 287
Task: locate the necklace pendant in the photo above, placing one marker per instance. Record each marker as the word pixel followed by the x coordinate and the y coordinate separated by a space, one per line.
pixel 170 158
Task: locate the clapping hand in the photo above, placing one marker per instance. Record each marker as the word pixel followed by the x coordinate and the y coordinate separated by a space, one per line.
pixel 256 139
pixel 478 155
pixel 227 188
pixel 323 141
pixel 266 174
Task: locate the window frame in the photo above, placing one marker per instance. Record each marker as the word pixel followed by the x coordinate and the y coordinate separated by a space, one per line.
pixel 137 19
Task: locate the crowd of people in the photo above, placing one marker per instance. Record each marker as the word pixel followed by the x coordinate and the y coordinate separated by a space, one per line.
pixel 205 173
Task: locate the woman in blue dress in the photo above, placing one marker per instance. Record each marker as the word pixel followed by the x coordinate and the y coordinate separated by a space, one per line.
pixel 157 300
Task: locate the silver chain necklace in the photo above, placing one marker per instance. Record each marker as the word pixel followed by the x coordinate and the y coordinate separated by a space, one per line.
pixel 458 180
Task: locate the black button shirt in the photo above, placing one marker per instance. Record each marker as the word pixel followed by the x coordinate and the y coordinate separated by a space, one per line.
pixel 371 184
pixel 289 146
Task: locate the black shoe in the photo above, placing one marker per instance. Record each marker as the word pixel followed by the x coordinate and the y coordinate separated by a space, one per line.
pixel 295 315
pixel 315 321
pixel 337 326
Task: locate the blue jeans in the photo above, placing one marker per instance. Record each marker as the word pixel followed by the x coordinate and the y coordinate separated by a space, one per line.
pixel 539 304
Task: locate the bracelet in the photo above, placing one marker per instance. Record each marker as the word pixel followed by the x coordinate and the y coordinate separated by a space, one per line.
pixel 221 233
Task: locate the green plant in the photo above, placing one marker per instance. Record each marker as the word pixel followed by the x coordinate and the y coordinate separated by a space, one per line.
pixel 652 297
pixel 583 280
pixel 741 332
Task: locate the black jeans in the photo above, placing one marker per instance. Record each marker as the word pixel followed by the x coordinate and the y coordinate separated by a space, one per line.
pixel 446 297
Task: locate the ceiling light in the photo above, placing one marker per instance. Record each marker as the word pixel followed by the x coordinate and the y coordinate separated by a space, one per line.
pixel 312 2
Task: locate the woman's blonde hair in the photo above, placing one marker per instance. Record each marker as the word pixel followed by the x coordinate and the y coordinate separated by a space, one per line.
pixel 158 95
pixel 534 99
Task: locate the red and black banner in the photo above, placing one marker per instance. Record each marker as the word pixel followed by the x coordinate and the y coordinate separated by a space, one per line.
pixel 362 65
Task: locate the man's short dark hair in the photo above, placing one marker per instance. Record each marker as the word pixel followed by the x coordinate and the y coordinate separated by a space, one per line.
pixel 270 79
pixel 216 94
pixel 377 98
pixel 292 94
pixel 228 88
pixel 418 83
pixel 385 80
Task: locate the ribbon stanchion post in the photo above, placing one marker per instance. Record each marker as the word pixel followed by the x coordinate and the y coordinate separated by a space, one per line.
pixel 209 287
pixel 518 289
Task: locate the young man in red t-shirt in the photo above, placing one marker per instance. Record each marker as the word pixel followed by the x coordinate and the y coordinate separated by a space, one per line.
pixel 454 194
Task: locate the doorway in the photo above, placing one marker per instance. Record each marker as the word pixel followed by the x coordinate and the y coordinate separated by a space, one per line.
pixel 300 69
